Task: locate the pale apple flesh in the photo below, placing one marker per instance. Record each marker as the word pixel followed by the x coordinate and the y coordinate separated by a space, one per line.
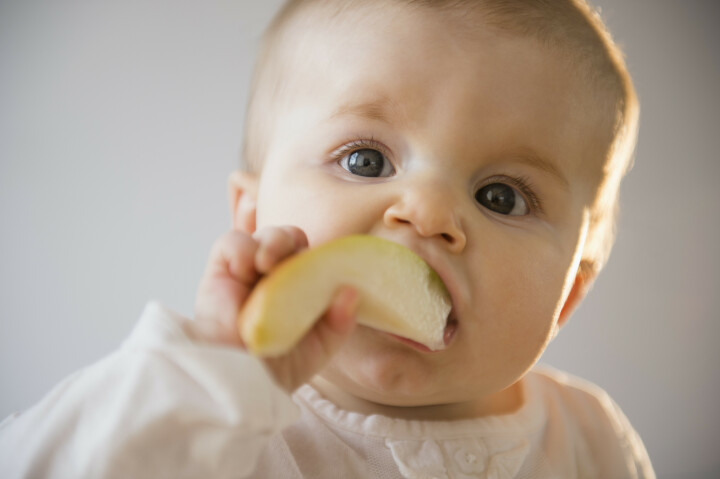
pixel 398 293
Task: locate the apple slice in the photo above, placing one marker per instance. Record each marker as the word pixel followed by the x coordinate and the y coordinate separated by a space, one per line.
pixel 399 294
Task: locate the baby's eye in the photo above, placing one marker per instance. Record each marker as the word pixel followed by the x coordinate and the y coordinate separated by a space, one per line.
pixel 502 199
pixel 367 162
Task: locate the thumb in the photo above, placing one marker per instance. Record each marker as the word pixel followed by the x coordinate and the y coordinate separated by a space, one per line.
pixel 339 320
pixel 320 344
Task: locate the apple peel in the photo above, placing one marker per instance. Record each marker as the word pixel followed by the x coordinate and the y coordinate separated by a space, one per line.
pixel 399 293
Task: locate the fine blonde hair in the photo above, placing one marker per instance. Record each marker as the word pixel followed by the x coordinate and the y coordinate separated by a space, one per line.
pixel 571 27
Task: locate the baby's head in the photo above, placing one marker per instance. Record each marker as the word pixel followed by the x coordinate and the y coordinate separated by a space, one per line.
pixel 489 136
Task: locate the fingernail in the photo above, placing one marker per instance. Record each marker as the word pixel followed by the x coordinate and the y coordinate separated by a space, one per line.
pixel 247 203
pixel 353 299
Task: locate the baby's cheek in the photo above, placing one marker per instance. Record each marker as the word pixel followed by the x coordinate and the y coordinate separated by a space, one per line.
pixel 532 289
pixel 282 202
pixel 297 208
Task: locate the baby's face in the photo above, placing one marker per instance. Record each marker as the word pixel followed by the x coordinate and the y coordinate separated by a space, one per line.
pixel 476 151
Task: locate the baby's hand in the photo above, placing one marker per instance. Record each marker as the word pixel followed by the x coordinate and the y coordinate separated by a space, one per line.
pixel 237 261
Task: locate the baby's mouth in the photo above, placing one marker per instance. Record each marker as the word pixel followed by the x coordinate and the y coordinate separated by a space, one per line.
pixel 451 327
pixel 451 322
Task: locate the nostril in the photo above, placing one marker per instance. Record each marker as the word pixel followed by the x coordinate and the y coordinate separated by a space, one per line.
pixel 428 224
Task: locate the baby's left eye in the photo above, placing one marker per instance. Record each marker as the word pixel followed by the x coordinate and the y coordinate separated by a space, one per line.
pixel 502 199
pixel 367 162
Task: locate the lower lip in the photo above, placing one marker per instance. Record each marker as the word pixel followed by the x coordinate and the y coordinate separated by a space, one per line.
pixel 413 344
pixel 450 330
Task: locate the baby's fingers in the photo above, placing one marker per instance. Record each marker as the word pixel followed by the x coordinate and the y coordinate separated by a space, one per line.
pixel 229 277
pixel 319 345
pixel 276 244
pixel 234 253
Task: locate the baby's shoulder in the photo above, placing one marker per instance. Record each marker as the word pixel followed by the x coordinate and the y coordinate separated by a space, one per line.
pixel 578 403
pixel 575 394
pixel 584 418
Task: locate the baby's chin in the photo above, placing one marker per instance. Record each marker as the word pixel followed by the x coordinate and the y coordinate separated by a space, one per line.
pixel 353 395
pixel 384 369
pixel 406 386
pixel 387 392
pixel 366 397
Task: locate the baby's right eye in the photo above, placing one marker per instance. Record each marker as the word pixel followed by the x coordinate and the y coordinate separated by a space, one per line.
pixel 367 162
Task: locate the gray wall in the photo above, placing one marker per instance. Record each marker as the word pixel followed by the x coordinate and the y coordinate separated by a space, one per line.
pixel 119 122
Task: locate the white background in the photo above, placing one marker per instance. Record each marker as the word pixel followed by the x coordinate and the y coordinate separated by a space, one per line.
pixel 120 121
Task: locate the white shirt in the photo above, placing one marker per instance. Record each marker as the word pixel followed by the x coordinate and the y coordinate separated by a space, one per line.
pixel 168 405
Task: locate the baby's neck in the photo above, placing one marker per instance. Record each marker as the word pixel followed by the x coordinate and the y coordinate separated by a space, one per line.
pixel 504 402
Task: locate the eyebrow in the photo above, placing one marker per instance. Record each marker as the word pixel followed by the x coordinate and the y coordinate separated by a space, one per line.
pixel 531 158
pixel 378 109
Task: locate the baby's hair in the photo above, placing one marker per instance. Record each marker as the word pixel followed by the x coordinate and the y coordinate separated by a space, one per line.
pixel 570 27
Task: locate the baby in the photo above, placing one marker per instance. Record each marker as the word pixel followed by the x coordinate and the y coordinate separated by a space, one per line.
pixel 488 136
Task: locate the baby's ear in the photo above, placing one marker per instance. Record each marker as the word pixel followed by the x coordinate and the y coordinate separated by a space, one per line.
pixel 579 290
pixel 242 194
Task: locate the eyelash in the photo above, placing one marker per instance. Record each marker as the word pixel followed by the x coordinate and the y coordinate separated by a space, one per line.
pixel 522 183
pixel 360 144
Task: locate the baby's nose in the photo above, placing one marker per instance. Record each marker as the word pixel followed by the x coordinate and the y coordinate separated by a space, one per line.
pixel 428 208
